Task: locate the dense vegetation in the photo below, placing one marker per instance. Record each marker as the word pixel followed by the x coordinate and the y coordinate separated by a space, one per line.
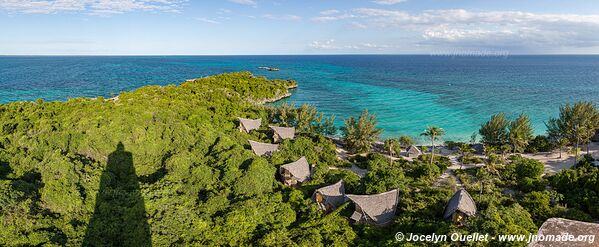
pixel 167 166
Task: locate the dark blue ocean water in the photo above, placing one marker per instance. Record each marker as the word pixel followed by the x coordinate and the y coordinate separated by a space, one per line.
pixel 407 93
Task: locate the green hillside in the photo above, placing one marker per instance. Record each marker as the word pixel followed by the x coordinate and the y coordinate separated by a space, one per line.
pixel 167 166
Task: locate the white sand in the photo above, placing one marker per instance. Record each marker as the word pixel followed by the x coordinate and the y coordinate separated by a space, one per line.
pixel 554 164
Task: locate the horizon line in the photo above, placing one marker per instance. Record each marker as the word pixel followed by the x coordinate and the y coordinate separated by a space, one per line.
pixel 448 54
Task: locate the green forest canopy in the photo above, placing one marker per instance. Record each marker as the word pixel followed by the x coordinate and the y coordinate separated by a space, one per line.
pixel 168 166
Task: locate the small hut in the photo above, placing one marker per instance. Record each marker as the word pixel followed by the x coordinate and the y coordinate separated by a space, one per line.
pixel 295 173
pixel 559 226
pixel 330 197
pixel 260 148
pixel 376 209
pixel 413 152
pixel 282 133
pixel 247 125
pixel 459 207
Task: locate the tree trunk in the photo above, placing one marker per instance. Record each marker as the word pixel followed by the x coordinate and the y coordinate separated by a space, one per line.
pixel 481 187
pixel 560 152
pixel 588 143
pixel 433 151
pixel 390 156
pixel 576 154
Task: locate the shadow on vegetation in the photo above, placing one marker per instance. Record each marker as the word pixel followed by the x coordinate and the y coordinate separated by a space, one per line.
pixel 120 216
pixel 5 169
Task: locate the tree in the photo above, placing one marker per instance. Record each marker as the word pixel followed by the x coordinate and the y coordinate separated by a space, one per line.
pixel 325 126
pixel 305 116
pixel 520 133
pixel 504 149
pixel 494 132
pixel 465 149
pixel 286 114
pixel 406 141
pixel 391 146
pixel 577 123
pixel 432 133
pixel 561 143
pixel 359 134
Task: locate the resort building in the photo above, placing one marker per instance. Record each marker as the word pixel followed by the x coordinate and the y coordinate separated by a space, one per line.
pixel 555 227
pixel 376 209
pixel 295 173
pixel 459 207
pixel 330 197
pixel 247 125
pixel 413 152
pixel 260 148
pixel 282 133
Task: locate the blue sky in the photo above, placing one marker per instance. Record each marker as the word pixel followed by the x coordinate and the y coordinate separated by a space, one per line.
pixel 225 27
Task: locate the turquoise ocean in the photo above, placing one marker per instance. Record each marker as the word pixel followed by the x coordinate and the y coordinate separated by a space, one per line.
pixel 407 93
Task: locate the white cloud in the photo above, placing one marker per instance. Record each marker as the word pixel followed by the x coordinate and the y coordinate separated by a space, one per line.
pixel 326 45
pixel 245 2
pixel 388 2
pixel 207 20
pixel 94 7
pixel 330 12
pixel 331 44
pixel 325 18
pixel 224 11
pixel 458 27
pixel 282 17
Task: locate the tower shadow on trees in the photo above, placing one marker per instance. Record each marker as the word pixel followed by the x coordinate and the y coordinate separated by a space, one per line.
pixel 119 217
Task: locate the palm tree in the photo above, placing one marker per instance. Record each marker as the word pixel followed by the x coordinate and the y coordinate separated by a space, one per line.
pixel 432 133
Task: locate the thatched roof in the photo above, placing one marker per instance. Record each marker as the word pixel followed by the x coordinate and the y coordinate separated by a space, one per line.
pixel 414 150
pixel 559 226
pixel 284 132
pixel 460 201
pixel 300 169
pixel 334 194
pixel 379 208
pixel 260 148
pixel 250 124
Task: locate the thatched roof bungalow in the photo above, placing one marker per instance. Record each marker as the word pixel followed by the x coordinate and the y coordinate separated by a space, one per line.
pixel 282 133
pixel 260 148
pixel 295 173
pixel 460 206
pixel 376 209
pixel 330 197
pixel 413 152
pixel 558 227
pixel 247 125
